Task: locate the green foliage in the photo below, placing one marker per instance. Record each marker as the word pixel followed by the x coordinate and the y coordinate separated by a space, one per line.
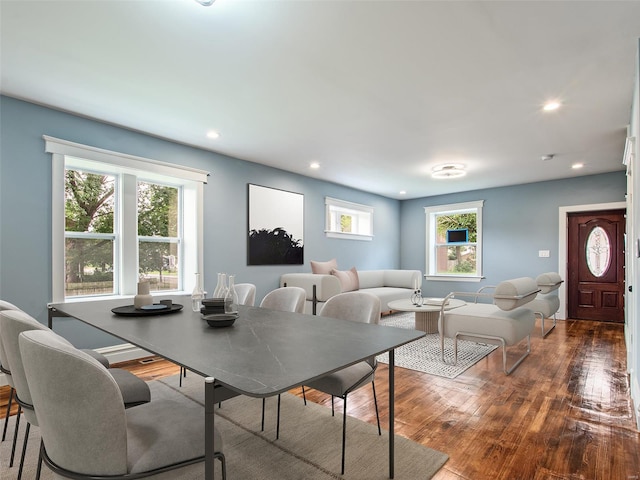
pixel 89 207
pixel 274 247
pixel 456 221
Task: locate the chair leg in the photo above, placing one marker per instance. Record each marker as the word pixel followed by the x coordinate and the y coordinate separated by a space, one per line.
pixel 304 397
pixel 332 411
pixel 375 402
pixel 15 436
pixel 39 460
pixel 278 420
pixel 344 430
pixel 6 416
pixel 24 450
pixel 262 424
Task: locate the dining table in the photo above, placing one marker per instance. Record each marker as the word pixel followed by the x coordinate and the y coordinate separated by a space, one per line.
pixel 264 353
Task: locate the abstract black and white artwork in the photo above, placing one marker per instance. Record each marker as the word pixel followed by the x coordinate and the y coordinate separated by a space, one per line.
pixel 276 225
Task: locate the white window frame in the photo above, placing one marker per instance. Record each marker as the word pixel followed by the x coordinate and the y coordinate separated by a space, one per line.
pixel 130 168
pixel 362 214
pixel 431 237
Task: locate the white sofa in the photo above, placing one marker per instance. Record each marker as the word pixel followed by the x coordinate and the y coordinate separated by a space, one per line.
pixel 387 285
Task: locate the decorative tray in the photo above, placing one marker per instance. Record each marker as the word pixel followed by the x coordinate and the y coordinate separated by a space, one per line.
pixel 155 309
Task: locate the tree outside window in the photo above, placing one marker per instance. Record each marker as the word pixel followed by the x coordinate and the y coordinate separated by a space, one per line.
pixel 456 258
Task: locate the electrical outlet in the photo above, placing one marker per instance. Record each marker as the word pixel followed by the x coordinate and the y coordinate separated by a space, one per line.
pixel 543 253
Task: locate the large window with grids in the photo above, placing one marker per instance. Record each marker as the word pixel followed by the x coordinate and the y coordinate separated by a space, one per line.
pixel 119 219
pixel 454 241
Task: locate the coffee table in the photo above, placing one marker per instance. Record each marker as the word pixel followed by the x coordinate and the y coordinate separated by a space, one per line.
pixel 426 315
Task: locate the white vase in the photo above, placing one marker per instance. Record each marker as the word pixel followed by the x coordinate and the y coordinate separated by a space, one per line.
pixel 143 297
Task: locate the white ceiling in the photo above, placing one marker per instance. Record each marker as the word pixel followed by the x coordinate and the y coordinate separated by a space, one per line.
pixel 377 92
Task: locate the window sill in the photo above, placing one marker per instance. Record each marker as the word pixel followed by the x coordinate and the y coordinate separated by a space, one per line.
pixel 350 236
pixel 453 278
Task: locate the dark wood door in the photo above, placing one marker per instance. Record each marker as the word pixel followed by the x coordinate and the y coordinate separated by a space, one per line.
pixel 595 289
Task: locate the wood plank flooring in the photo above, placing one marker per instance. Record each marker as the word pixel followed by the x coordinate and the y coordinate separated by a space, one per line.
pixel 564 413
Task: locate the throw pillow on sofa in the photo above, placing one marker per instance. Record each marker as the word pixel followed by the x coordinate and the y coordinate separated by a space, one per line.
pixel 348 279
pixel 324 267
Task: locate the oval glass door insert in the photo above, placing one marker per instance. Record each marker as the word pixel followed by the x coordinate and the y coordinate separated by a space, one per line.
pixel 598 251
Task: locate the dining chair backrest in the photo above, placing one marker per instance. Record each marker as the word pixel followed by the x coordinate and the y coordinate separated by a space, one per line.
pixel 12 324
pixel 354 306
pixel 81 416
pixel 285 299
pixel 246 294
pixel 4 362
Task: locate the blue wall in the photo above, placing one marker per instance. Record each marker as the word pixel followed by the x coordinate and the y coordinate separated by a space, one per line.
pixel 518 221
pixel 25 210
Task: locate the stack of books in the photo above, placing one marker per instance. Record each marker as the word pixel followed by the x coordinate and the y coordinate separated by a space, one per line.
pixel 212 306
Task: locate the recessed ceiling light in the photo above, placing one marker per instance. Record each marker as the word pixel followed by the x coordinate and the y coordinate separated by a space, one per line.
pixel 575 166
pixel 551 106
pixel 213 134
pixel 314 165
pixel 451 170
pixel 402 192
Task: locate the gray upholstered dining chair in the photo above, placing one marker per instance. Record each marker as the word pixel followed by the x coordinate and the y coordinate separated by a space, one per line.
pixel 86 431
pixel 246 294
pixel 4 368
pixel 359 307
pixel 134 390
pixel 283 299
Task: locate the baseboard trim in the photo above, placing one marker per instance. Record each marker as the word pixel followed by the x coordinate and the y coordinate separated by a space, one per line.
pixel 123 353
pixel 635 397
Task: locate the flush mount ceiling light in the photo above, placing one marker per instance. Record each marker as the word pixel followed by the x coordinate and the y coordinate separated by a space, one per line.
pixel 451 170
pixel 205 3
pixel 547 157
pixel 551 106
pixel 213 134
pixel 314 165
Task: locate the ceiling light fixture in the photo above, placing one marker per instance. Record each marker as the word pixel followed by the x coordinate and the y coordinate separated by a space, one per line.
pixel 451 170
pixel 575 166
pixel 213 134
pixel 551 106
pixel 314 165
pixel 205 3
pixel 547 157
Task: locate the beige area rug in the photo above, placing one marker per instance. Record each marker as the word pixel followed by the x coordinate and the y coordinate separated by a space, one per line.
pixel 423 354
pixel 308 448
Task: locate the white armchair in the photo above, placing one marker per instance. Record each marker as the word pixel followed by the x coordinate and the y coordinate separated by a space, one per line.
pixel 506 321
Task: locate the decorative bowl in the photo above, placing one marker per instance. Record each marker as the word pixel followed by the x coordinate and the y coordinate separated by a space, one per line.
pixel 220 319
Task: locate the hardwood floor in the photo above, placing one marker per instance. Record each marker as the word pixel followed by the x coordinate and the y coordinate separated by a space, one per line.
pixel 564 413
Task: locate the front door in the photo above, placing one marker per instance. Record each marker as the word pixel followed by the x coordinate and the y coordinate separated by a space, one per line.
pixel 595 287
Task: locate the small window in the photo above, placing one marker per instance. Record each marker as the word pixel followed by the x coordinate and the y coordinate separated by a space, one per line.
pixel 454 246
pixel 348 220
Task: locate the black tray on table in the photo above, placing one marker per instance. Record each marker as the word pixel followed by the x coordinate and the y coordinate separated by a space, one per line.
pixel 131 311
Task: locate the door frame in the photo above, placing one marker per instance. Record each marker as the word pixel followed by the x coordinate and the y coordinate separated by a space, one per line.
pixel 563 245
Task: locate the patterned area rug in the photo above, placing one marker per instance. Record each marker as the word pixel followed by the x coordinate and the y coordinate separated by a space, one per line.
pixel 423 355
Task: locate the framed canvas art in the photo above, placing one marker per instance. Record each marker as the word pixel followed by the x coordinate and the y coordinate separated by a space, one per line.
pixel 276 225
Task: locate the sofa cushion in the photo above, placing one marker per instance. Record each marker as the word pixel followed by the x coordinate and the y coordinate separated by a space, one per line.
pixel 348 279
pixel 324 267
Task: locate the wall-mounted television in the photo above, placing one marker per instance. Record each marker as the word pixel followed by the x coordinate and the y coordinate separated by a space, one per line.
pixel 460 235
